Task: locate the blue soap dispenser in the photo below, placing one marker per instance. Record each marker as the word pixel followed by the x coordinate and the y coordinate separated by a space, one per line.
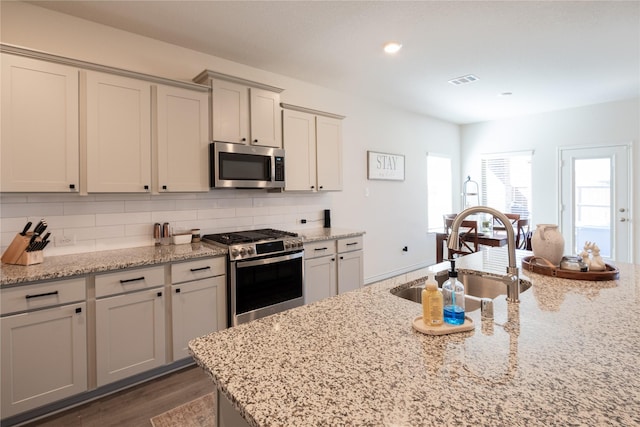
pixel 453 295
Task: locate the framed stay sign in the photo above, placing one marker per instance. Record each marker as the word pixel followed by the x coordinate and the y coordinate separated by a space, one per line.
pixel 385 166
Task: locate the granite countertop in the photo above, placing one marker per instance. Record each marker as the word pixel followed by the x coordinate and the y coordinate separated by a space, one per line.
pixel 327 234
pixel 567 354
pixel 62 266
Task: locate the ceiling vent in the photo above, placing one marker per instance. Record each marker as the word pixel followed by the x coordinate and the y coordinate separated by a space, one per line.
pixel 469 78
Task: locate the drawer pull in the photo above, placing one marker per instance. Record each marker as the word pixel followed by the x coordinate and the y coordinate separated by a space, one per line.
pixel 137 279
pixel 159 294
pixel 201 268
pixel 351 244
pixel 177 290
pixel 79 310
pixel 42 295
pixel 320 249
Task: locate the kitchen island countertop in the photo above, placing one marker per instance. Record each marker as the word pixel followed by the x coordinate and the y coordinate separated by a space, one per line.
pixel 567 354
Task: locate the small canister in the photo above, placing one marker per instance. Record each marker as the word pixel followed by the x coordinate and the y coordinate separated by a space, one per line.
pixel 166 234
pixel 195 235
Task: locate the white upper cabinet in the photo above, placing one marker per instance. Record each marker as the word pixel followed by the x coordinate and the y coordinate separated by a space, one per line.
pixel 266 127
pixel 118 126
pixel 39 143
pixel 230 112
pixel 329 153
pixel 313 144
pixel 242 111
pixel 181 141
pixel 300 147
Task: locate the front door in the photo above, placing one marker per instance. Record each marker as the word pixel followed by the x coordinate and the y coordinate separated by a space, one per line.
pixel 595 200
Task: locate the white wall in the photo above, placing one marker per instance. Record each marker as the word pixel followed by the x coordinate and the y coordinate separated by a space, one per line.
pixel 393 215
pixel 603 124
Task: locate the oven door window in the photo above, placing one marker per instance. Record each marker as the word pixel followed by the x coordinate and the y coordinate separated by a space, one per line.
pixel 262 285
pixel 245 167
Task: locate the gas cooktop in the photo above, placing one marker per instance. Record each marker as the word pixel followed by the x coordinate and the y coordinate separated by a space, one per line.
pixel 250 236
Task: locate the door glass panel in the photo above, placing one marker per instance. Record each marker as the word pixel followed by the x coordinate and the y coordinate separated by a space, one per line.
pixel 592 204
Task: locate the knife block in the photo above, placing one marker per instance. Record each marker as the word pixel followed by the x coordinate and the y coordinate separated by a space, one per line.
pixel 17 253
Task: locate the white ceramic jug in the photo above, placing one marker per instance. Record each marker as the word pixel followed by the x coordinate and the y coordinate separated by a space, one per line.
pixel 547 242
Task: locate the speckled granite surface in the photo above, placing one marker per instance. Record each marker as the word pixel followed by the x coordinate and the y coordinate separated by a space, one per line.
pixel 58 267
pixel 566 355
pixel 328 233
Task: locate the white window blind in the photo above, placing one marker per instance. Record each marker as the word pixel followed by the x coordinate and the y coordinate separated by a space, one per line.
pixel 439 190
pixel 506 182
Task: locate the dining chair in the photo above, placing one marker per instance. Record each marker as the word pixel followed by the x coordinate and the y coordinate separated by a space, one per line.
pixel 523 234
pixel 467 237
pixel 513 218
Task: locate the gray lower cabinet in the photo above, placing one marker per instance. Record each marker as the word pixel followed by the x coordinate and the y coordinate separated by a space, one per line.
pixel 130 323
pixel 332 267
pixel 66 340
pixel 198 301
pixel 44 344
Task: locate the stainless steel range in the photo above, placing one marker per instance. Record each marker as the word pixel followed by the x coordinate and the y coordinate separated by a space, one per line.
pixel 265 273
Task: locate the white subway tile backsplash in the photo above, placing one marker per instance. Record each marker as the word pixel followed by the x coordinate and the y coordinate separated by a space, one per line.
pixel 78 208
pixel 113 221
pixel 171 216
pixel 123 218
pixel 149 205
pixel 40 210
pixel 70 221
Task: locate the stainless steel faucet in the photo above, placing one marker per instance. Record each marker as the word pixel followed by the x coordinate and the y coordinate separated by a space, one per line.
pixel 512 278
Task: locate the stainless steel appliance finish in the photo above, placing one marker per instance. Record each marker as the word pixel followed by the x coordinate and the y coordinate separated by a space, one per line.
pixel 245 166
pixel 265 272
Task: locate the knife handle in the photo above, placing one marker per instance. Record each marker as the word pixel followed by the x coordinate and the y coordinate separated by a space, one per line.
pixel 26 228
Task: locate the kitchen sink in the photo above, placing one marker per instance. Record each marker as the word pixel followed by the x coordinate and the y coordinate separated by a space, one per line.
pixel 476 286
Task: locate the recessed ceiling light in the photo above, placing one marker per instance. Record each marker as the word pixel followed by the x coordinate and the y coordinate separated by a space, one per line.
pixel 505 94
pixel 469 78
pixel 392 47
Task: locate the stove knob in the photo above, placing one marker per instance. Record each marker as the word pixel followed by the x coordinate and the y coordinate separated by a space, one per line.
pixel 243 251
pixel 234 253
pixel 250 251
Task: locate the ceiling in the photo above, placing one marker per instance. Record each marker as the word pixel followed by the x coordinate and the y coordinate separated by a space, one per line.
pixel 550 55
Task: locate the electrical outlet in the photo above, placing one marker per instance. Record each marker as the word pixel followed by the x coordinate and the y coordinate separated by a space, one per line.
pixel 65 240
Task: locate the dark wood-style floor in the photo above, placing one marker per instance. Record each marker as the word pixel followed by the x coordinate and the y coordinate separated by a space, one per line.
pixel 137 405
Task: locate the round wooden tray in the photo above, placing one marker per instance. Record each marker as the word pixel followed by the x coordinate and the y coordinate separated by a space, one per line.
pixel 543 266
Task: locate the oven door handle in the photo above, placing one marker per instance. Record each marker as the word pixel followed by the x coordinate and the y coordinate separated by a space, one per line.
pixel 273 260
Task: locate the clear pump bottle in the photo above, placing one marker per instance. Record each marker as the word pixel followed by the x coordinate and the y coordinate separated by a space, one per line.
pixel 432 304
pixel 453 295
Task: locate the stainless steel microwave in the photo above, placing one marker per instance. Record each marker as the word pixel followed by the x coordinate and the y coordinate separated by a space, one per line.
pixel 245 166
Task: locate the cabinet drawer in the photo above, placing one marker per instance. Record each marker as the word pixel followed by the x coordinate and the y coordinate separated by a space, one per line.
pixel 199 269
pixel 350 244
pixel 129 280
pixel 39 295
pixel 321 248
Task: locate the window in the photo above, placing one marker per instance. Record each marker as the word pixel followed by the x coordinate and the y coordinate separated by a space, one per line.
pixel 506 182
pixel 439 190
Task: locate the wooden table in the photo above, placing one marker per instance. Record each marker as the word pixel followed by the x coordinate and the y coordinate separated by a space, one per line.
pixel 494 238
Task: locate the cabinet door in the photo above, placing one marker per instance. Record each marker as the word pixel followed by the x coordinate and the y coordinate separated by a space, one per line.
pixel 350 271
pixel 39 144
pixel 118 125
pixel 198 308
pixel 182 140
pixel 329 152
pixel 130 334
pixel 230 112
pixel 44 357
pixel 266 127
pixel 299 138
pixel 319 279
